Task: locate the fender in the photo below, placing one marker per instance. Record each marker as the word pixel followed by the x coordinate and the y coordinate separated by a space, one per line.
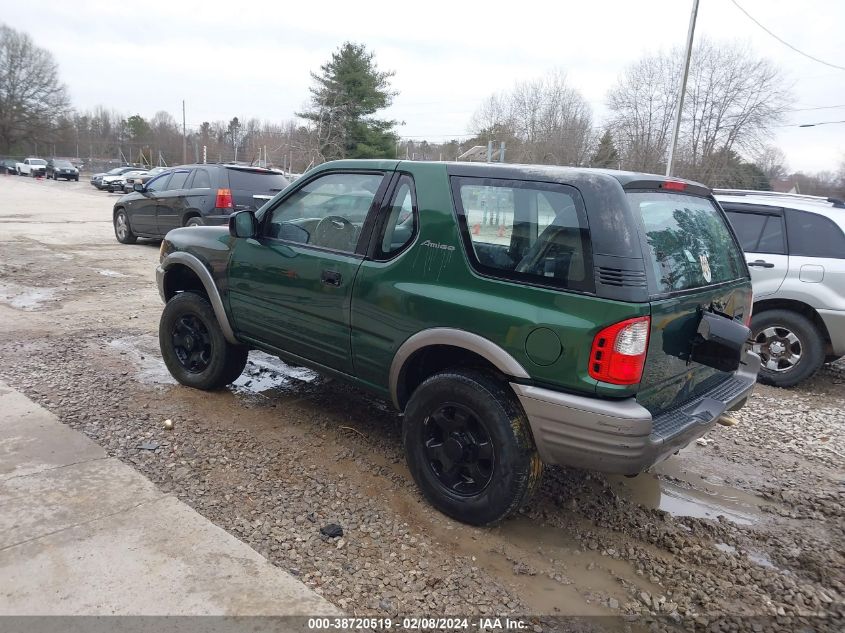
pixel 485 348
pixel 194 263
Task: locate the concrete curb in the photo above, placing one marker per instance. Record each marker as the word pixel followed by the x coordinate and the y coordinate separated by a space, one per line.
pixel 84 534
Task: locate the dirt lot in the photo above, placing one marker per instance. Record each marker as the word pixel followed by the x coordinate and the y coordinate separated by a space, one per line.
pixel 742 533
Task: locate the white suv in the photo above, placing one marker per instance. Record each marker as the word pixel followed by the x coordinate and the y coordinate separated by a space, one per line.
pixel 795 249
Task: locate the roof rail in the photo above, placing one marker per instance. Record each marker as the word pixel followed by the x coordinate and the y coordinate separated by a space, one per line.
pixel 836 202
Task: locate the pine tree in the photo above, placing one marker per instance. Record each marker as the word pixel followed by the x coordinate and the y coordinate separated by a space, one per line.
pixel 348 91
pixel 606 155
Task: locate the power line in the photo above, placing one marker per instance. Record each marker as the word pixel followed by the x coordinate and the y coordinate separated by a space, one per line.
pixel 831 107
pixel 810 124
pixel 784 42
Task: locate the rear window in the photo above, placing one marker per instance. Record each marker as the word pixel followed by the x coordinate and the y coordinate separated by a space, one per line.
pixel 689 242
pixel 256 181
pixel 526 231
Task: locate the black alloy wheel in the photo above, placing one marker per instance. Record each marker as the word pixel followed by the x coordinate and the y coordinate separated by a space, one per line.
pixel 459 449
pixel 192 343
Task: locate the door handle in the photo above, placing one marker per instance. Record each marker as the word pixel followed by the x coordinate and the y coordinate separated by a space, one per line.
pixel 759 263
pixel 331 278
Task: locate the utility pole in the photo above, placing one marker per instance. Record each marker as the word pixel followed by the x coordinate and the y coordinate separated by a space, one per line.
pixel 185 136
pixel 680 108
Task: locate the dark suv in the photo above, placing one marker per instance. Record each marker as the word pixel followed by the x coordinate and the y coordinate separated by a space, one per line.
pixel 192 195
pixel 517 315
pixel 58 168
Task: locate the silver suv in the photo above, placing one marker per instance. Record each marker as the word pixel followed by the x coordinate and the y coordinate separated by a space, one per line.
pixel 795 249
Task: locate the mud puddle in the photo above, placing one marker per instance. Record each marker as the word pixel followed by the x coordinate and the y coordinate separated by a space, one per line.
pixel 143 351
pixel 265 373
pixel 26 297
pixel 756 557
pixel 671 487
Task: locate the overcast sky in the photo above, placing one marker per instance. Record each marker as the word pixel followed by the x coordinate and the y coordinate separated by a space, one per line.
pixel 252 59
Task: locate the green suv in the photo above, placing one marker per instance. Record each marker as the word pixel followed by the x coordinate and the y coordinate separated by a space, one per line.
pixel 516 315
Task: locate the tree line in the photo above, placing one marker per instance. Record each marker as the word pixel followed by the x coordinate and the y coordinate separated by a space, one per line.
pixel 733 103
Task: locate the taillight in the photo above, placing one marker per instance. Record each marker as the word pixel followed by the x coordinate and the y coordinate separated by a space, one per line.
pixel 674 185
pixel 224 199
pixel 618 353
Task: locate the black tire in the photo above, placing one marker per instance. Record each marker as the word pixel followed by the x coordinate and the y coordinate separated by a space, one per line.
pixel 207 361
pixel 122 229
pixel 194 221
pixel 497 422
pixel 793 333
pixel 76 179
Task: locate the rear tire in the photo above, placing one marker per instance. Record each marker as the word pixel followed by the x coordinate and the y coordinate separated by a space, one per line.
pixel 122 230
pixel 194 221
pixel 193 346
pixel 469 446
pixel 790 346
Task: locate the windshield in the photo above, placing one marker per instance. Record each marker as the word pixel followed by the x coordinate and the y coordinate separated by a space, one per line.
pixel 689 242
pixel 62 163
pixel 116 170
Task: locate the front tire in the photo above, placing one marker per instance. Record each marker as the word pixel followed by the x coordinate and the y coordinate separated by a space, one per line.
pixel 193 346
pixel 790 346
pixel 122 230
pixel 469 447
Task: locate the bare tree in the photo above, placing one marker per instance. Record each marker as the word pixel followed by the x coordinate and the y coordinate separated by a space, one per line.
pixel 733 100
pixel 542 121
pixel 772 162
pixel 31 95
pixel 642 103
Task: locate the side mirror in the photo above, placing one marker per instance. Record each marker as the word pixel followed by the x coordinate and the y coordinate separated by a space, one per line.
pixel 243 224
pixel 139 187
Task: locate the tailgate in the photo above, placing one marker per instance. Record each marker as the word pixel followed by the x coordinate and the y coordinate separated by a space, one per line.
pixel 251 188
pixel 670 378
pixel 694 265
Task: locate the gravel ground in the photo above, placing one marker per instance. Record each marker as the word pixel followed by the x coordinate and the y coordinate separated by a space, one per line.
pixel 744 532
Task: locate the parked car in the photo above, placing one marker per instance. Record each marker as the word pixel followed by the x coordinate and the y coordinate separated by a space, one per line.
pixel 97 179
pixel 517 315
pixel 31 167
pixel 8 166
pixel 795 247
pixel 192 195
pixel 116 182
pixel 58 168
pixel 142 177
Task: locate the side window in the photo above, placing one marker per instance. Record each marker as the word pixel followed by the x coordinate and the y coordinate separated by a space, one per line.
pixel 201 180
pixel 158 184
pixel 530 231
pixel 772 239
pixel 327 212
pixel 748 228
pixel 813 235
pixel 177 181
pixel 401 223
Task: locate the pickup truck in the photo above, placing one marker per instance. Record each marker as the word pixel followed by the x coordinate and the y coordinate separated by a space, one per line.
pixel 31 167
pixel 516 315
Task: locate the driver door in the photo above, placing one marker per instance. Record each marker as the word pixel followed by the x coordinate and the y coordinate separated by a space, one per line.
pixel 290 289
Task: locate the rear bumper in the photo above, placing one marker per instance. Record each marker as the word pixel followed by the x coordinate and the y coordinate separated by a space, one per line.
pixel 620 436
pixel 834 321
